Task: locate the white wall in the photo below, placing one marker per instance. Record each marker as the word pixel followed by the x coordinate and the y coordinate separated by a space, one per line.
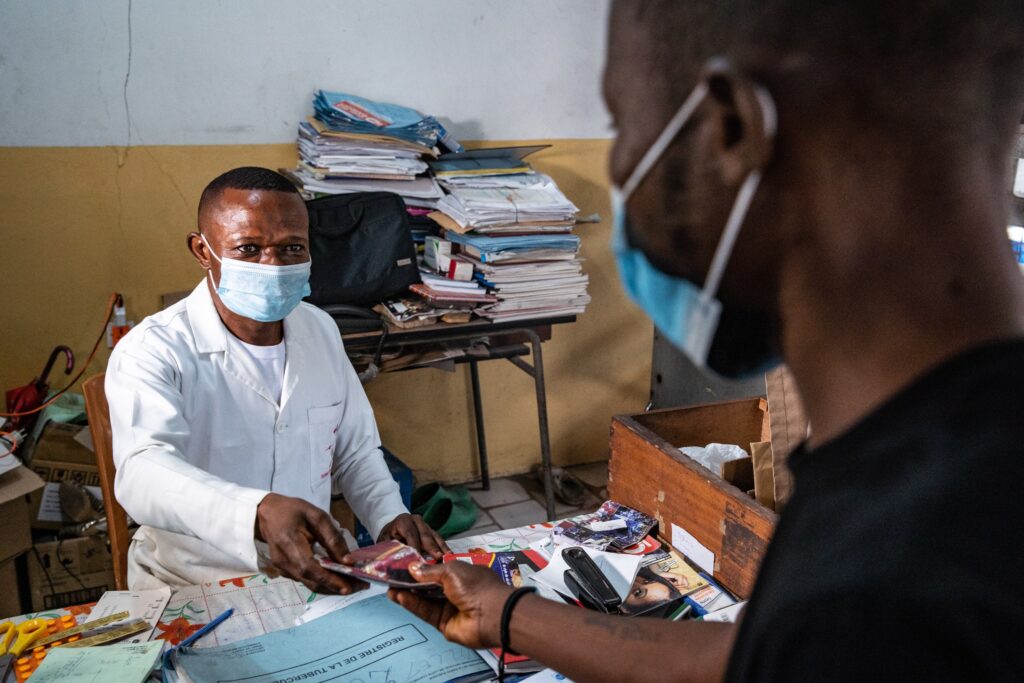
pixel 243 72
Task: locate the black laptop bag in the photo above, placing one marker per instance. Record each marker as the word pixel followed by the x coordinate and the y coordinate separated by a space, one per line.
pixel 362 250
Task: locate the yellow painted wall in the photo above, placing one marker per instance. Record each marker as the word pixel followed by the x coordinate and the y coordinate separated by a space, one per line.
pixel 78 223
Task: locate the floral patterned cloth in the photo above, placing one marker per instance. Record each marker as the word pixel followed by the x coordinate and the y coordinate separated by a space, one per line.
pixel 263 604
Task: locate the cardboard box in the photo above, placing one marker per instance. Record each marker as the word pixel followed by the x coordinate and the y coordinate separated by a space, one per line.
pixel 60 456
pixel 70 572
pixel 16 487
pixel 701 514
pixel 10 596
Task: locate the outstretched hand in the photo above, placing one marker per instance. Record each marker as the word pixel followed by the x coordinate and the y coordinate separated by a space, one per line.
pixel 290 527
pixel 471 614
pixel 412 530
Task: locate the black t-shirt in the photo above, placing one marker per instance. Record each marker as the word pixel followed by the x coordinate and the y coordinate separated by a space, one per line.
pixel 901 553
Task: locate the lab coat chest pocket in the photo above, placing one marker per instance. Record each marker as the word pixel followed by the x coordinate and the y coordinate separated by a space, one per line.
pixel 324 423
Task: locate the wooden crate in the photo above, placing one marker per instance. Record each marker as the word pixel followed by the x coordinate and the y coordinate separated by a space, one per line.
pixel 649 473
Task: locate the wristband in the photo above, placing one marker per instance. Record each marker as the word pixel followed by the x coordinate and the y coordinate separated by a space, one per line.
pixel 506 617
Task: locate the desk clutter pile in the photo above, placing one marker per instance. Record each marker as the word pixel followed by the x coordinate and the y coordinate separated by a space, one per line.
pixel 495 237
pixel 262 629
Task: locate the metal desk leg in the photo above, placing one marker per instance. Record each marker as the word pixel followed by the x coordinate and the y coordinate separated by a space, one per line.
pixel 481 438
pixel 542 422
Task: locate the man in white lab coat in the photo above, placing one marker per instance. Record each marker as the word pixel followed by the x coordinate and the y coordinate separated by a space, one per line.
pixel 235 413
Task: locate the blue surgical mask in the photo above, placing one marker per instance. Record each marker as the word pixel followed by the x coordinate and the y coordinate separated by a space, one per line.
pixel 686 314
pixel 260 292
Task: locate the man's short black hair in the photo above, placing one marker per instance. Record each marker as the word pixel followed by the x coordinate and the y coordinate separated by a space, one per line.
pixel 944 67
pixel 245 178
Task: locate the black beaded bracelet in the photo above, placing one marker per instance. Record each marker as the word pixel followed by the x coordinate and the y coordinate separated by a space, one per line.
pixel 506 617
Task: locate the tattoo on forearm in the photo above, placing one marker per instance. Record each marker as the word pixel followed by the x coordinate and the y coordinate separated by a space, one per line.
pixel 619 628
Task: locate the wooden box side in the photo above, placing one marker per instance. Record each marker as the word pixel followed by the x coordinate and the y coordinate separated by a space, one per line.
pixel 739 422
pixel 647 472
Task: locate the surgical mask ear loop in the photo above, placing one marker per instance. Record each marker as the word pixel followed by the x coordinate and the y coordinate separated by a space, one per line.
pixel 655 151
pixel 209 273
pixel 210 249
pixel 742 204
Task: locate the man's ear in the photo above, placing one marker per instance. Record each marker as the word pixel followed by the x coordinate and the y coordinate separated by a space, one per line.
pixel 744 117
pixel 197 247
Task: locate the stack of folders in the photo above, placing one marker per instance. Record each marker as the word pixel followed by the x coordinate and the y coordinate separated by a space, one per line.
pixel 443 293
pixel 514 226
pixel 519 207
pixel 352 144
pixel 532 276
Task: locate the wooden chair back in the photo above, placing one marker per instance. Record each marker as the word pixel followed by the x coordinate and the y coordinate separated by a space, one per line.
pixel 117 520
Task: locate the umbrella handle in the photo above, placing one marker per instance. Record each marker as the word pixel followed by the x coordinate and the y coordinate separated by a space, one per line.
pixel 69 364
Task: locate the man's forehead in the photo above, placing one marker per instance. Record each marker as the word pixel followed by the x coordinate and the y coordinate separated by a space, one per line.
pixel 234 206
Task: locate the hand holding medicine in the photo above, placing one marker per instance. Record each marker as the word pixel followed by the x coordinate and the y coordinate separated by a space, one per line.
pixel 290 527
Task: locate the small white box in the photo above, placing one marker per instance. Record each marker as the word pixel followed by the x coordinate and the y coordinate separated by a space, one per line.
pixel 436 253
pixel 459 270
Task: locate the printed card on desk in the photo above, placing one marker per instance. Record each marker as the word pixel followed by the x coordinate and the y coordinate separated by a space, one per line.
pixel 662 583
pixel 511 567
pixel 614 526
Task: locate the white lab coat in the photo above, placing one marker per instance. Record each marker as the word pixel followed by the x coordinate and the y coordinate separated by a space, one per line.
pixel 199 440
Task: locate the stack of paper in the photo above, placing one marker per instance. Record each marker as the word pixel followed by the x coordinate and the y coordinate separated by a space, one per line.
pixel 459 168
pixel 532 276
pixel 444 293
pixel 514 226
pixel 476 207
pixel 347 113
pixel 422 191
pixel 352 144
pixel 330 156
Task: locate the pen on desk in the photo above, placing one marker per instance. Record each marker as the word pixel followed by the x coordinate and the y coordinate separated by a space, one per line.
pixel 209 627
pixel 167 656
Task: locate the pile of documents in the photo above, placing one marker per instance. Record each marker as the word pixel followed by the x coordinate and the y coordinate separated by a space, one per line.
pixel 532 276
pixel 352 144
pixel 514 227
pixel 510 252
pixel 519 205
pixel 346 113
pixel 444 293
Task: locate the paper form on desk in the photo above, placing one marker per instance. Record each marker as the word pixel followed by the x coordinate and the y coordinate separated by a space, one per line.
pixel 333 603
pixel 118 663
pixel 148 605
pixel 370 640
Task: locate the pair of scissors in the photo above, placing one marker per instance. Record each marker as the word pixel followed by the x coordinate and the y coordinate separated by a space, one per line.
pixel 14 640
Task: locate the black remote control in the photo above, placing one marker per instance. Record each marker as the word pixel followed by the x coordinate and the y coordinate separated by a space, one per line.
pixel 589 584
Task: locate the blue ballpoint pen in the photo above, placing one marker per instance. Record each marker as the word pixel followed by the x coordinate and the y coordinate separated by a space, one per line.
pixel 194 637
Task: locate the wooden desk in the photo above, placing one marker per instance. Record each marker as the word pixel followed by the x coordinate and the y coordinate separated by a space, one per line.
pixel 509 341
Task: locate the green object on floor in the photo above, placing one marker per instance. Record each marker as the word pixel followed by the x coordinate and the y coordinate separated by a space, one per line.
pixel 429 495
pixel 449 518
pixel 448 511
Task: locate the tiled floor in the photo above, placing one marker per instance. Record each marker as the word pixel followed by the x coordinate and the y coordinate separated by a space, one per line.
pixel 517 501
